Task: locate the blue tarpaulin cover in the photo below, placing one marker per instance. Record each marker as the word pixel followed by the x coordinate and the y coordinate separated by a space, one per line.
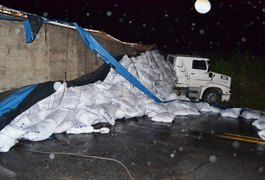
pixel 93 45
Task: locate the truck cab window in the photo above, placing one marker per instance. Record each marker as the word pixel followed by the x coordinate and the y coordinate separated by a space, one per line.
pixel 197 64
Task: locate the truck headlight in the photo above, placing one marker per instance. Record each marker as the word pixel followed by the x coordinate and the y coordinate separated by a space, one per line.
pixel 224 77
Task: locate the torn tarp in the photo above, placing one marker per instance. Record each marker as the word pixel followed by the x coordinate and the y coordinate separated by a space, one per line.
pixel 32 26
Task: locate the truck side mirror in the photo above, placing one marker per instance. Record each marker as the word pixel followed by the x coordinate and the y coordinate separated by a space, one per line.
pixel 210 75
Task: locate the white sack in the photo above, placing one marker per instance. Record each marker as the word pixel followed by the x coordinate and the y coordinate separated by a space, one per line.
pixel 262 134
pixel 251 115
pixel 6 142
pixel 232 113
pixel 164 117
pixel 260 123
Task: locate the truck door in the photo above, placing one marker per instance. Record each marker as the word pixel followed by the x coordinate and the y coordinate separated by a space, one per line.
pixel 199 73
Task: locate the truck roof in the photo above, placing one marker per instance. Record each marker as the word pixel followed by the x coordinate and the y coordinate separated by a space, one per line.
pixel 188 56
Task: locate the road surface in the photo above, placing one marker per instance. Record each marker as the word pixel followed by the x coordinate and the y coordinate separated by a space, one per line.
pixel 192 147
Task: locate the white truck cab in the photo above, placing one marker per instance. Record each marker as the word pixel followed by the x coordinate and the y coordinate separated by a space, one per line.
pixel 197 82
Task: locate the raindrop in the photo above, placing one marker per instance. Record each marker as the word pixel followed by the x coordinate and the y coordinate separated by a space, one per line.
pixel 166 15
pixel 38 36
pixel 51 156
pixel 172 155
pixel 153 29
pixel 212 158
pixel 130 22
pixel 121 20
pixel 261 169
pixel 87 14
pixel 148 163
pixel 144 25
pixel 234 154
pixel 263 10
pixel 193 24
pixel 243 39
pixel 45 14
pixel 218 23
pixel 109 13
pixel 181 149
pixel 116 5
pixel 133 163
pixel 17 30
pixel 202 31
pixel 235 144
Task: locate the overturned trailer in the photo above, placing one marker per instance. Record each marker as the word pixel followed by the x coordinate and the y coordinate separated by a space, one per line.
pixel 56 51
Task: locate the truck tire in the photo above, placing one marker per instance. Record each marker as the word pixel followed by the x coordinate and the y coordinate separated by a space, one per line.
pixel 212 96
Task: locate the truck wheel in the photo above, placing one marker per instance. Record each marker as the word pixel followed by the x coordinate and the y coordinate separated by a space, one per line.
pixel 212 96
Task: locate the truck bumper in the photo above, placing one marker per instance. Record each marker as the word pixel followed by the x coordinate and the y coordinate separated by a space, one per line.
pixel 226 97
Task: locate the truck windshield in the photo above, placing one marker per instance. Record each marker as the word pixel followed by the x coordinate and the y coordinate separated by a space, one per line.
pixel 199 64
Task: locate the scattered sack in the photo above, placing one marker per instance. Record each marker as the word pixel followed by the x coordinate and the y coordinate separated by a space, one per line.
pixel 232 113
pixel 164 117
pixel 260 123
pixel 205 107
pixel 251 115
pixel 262 134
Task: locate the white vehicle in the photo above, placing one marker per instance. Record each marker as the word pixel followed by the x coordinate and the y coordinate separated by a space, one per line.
pixel 197 82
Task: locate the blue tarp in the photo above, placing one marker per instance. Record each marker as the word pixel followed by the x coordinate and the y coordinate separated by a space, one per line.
pixel 12 101
pixel 94 46
pixel 10 18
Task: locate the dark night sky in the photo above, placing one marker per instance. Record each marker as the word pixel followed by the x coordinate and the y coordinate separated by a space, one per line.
pixel 174 26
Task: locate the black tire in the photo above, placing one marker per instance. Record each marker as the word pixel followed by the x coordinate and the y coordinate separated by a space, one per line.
pixel 212 96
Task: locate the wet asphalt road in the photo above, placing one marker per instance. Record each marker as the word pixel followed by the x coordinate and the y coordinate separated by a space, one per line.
pixel 193 147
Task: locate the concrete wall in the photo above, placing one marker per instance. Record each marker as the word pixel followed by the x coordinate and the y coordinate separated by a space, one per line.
pixel 57 53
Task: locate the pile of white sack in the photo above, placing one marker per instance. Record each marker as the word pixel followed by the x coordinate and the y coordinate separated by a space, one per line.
pixel 75 109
